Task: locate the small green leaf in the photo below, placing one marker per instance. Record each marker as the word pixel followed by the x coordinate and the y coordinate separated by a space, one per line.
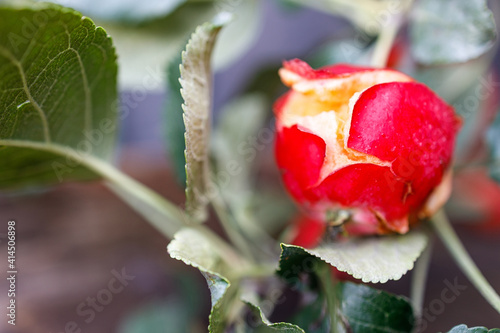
pixel 194 249
pixel 58 95
pixel 373 259
pixel 195 80
pixel 465 329
pixel 451 31
pixel 493 138
pixel 368 310
pixel 260 324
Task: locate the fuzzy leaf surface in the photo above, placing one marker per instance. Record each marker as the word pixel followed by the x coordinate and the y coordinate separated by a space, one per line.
pixel 193 248
pixel 196 91
pixel 451 31
pixel 374 259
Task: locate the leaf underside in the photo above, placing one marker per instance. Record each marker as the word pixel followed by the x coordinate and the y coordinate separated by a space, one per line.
pixel 57 94
pixel 196 91
pixel 194 249
pixel 451 31
pixel 374 259
pixel 465 329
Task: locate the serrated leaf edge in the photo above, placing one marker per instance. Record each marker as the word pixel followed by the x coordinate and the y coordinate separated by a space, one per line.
pixel 342 268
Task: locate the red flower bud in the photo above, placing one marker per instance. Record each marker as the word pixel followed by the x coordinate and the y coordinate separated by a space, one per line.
pixel 369 141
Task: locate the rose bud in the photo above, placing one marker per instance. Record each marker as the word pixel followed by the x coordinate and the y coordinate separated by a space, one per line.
pixel 366 146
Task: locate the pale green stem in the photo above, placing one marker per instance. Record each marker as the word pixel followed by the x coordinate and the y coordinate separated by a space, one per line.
pixel 158 211
pixel 230 227
pixel 384 43
pixel 419 279
pixel 387 36
pixel 327 282
pixel 463 259
pixel 162 214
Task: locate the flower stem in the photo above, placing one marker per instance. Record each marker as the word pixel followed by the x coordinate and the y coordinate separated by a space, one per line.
pixel 419 279
pixel 384 43
pixel 327 282
pixel 230 227
pixel 388 34
pixel 158 211
pixel 462 258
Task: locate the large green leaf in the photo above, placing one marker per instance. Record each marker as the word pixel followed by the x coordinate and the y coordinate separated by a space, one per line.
pixel 195 249
pixel 450 31
pixel 493 138
pixel 196 85
pixel 368 310
pixel 465 329
pixel 373 259
pixel 58 97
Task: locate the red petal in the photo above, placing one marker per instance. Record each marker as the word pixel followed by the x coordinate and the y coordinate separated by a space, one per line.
pixel 300 156
pixel 368 186
pixel 405 123
pixel 392 120
pixel 308 232
pixel 303 69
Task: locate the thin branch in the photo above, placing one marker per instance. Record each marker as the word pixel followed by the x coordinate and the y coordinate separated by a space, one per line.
pixel 462 258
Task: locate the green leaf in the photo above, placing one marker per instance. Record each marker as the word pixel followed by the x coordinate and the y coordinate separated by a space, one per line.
pixel 119 10
pixel 465 329
pixel 196 92
pixel 260 324
pixel 359 308
pixel 373 259
pixel 195 249
pixel 174 124
pixel 58 96
pixel 451 31
pixel 493 138
pixel 368 310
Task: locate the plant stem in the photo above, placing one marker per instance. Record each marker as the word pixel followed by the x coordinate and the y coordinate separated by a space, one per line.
pixel 384 43
pixel 419 279
pixel 387 36
pixel 229 226
pixel 158 211
pixel 463 259
pixel 162 214
pixel 327 282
